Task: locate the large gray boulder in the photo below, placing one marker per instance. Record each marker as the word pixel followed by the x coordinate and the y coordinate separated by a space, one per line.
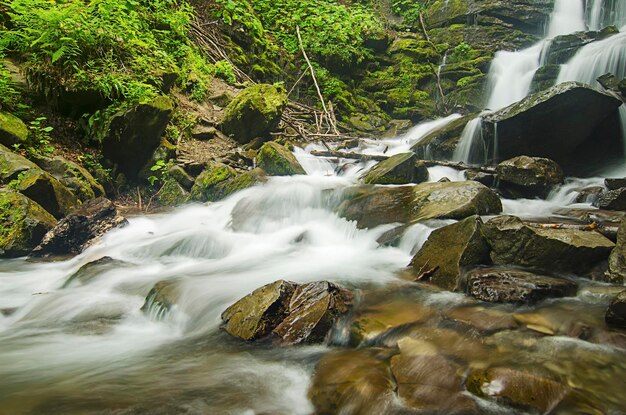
pixel 571 123
pixel 134 134
pixel 525 176
pixel 373 206
pixel 12 130
pixel 570 250
pixel 73 176
pixel 277 160
pixel 563 48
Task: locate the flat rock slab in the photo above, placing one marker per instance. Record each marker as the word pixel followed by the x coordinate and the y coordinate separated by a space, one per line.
pixel 498 285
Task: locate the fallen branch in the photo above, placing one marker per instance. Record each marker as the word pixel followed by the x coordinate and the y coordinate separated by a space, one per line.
pixel 346 155
pixel 608 230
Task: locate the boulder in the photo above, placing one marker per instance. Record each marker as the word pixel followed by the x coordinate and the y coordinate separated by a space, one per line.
pixel 353 381
pixel 172 193
pixel 549 124
pixel 545 78
pixel 398 169
pixel 181 176
pixel 254 112
pixel 612 199
pixel 12 164
pixel 450 249
pixel 516 388
pixel 615 183
pixel 570 250
pixel 616 313
pixel 258 313
pixel 440 143
pixel 73 176
pixel 80 228
pixel 563 48
pixel 428 380
pixel 23 223
pixel 506 285
pixel 12 130
pixel 277 160
pixel 480 318
pixel 529 177
pixel 133 135
pixel 373 206
pixel 44 189
pixel 312 311
pixel 617 260
pixel 92 270
pixel 219 181
pixel 161 299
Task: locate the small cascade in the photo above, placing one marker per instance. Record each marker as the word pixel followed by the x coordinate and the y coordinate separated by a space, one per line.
pixel 471 147
pixel 603 13
pixel 568 17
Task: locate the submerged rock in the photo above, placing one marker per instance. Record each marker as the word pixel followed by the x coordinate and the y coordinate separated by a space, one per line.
pixel 514 243
pixel 517 388
pixel 218 181
pixel 133 135
pixel 258 313
pixel 161 298
pixel 255 112
pixel 296 313
pixel 503 285
pixel 398 169
pixel 23 223
pixel 92 269
pixel 277 160
pixel 373 206
pixel 548 124
pixel 483 319
pixel 529 177
pixel 616 314
pixel 449 249
pixel 80 228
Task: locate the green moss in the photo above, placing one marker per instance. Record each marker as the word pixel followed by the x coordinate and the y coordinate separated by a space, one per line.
pixel 12 130
pixel 206 187
pixel 276 160
pixel 172 194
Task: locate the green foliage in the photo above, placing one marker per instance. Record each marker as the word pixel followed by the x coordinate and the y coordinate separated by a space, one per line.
pixel 409 9
pixel 462 52
pixel 122 49
pixel 40 137
pixel 9 96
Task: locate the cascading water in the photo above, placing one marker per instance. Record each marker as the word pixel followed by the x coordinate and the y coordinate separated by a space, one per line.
pixel 602 13
pixel 471 147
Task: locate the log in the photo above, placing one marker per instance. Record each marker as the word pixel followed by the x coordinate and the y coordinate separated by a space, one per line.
pixel 346 155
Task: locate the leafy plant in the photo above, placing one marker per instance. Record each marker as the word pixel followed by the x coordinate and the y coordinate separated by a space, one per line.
pixel 40 137
pixel 160 169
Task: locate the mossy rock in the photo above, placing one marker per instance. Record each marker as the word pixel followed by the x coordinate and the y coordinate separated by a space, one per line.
pixel 617 261
pixel 172 193
pixel 418 50
pixel 277 160
pixel 161 298
pixel 451 248
pixel 544 78
pixel 12 130
pixel 23 223
pixel 47 191
pixel 441 143
pixel 255 112
pixel 398 169
pixel 205 188
pixel 165 151
pixel 92 270
pixel 133 135
pixel 12 164
pixel 73 176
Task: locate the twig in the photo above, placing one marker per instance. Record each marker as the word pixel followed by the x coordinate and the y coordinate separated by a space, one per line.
pixel 139 198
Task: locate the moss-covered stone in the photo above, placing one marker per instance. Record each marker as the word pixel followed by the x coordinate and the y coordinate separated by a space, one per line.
pixel 172 193
pixel 23 223
pixel 205 188
pixel 12 164
pixel 73 176
pixel 544 78
pixel 529 176
pixel 451 248
pixel 47 191
pixel 398 169
pixel 132 135
pixel 418 50
pixel 12 130
pixel 254 112
pixel 277 160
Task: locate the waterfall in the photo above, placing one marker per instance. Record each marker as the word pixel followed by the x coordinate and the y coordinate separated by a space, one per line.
pixel 471 146
pixel 568 17
pixel 602 13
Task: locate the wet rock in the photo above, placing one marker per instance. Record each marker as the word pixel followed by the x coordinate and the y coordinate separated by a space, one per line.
pixel 73 176
pixel 80 228
pixel 529 176
pixel 12 164
pixel 44 189
pixel 312 311
pixel 23 223
pixel 396 128
pixel 277 160
pixel 218 181
pixel 398 169
pixel 172 193
pixel 92 270
pixel 615 183
pixel 203 132
pixel 548 124
pixel 616 314
pixel 255 112
pixel 544 78
pixel 612 200
pixel 441 142
pixel 258 313
pixel 429 381
pixel 485 320
pixel 617 260
pixel 133 135
pixel 12 130
pixel 161 298
pixel 373 206
pixel 514 243
pixel 487 179
pixel 589 194
pixel 353 381
pixel 502 285
pixel 517 388
pixel 563 48
pixel 449 249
